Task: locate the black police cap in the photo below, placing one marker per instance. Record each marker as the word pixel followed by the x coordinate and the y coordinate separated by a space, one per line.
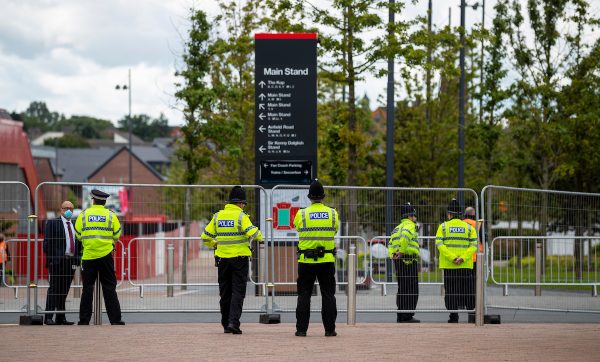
pixel 99 195
pixel 454 208
pixel 237 195
pixel 316 190
pixel 407 210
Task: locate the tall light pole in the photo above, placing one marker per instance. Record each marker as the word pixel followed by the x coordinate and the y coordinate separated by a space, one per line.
pixel 389 148
pixel 127 87
pixel 481 64
pixel 461 101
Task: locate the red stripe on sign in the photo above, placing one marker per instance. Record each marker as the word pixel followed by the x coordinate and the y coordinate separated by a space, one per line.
pixel 285 36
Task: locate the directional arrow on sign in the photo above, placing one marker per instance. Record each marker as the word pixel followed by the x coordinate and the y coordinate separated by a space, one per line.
pixel 261 96
pixel 261 149
pixel 261 128
pixel 261 106
pixel 261 84
pixel 261 116
pixel 306 172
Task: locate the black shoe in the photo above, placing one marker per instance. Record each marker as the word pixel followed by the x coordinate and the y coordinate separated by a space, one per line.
pixel 453 318
pixel 331 334
pixel 50 322
pixel 66 323
pixel 118 323
pixel 227 330
pixel 300 334
pixel 412 320
pixel 82 323
pixel 235 330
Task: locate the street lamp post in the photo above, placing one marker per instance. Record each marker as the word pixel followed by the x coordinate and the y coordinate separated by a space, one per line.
pixel 389 179
pixel 461 101
pixel 127 87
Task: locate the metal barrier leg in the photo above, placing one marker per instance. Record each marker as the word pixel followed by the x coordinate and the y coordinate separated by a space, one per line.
pixel 479 292
pixel 352 286
pixel 77 281
pixel 505 290
pixel 538 268
pixel 98 303
pixel 595 291
pixel 170 276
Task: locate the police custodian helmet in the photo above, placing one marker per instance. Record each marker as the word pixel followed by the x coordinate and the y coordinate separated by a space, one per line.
pixel 407 210
pixel 237 195
pixel 454 208
pixel 316 191
pixel 99 195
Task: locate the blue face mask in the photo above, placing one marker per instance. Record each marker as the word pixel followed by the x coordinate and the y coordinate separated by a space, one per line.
pixel 68 214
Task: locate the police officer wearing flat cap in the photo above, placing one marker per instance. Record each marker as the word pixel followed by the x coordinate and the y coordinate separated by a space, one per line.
pixel 98 228
pixel 316 226
pixel 230 233
pixel 404 250
pixel 456 242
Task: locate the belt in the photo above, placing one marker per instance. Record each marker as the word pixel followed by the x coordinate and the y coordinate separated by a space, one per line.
pixel 233 258
pixel 316 253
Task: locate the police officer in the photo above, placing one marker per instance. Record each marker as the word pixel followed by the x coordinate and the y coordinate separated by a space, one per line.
pixel 316 226
pixel 98 228
pixel 456 242
pixel 230 232
pixel 404 250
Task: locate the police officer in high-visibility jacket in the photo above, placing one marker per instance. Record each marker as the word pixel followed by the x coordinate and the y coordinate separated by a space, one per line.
pixel 316 226
pixel 404 250
pixel 456 242
pixel 230 231
pixel 98 228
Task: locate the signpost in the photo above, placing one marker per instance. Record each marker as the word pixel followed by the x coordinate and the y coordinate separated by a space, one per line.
pixel 285 81
pixel 285 108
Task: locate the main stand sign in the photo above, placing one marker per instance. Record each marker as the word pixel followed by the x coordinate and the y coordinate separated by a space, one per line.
pixel 285 108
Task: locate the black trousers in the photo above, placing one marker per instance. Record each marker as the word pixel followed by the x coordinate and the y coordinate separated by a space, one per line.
pixel 459 284
pixel 233 276
pixel 325 274
pixel 104 268
pixel 408 288
pixel 60 276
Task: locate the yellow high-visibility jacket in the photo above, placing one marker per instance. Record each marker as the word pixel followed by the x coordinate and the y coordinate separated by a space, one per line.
pixel 98 228
pixel 231 231
pixel 317 226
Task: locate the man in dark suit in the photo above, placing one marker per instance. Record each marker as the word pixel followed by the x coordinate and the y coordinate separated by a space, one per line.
pixel 63 253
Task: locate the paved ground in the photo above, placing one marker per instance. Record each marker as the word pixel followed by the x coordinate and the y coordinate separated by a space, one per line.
pixel 372 342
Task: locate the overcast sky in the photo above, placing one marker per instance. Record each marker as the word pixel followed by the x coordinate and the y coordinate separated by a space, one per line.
pixel 71 53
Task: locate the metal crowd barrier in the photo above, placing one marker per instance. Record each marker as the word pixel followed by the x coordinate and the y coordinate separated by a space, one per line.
pixel 157 284
pixel 558 282
pixel 542 249
pixel 15 211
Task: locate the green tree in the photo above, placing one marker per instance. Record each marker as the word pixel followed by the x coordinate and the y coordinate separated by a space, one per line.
pixel 84 126
pixel 146 127
pixel 485 158
pixel 230 124
pixel 196 97
pixel 540 56
pixel 38 116
pixel 71 140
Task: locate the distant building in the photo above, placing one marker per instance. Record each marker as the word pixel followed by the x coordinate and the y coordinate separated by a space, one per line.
pixel 16 164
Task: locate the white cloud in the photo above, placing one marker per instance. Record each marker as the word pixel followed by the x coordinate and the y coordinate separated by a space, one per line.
pixel 72 53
